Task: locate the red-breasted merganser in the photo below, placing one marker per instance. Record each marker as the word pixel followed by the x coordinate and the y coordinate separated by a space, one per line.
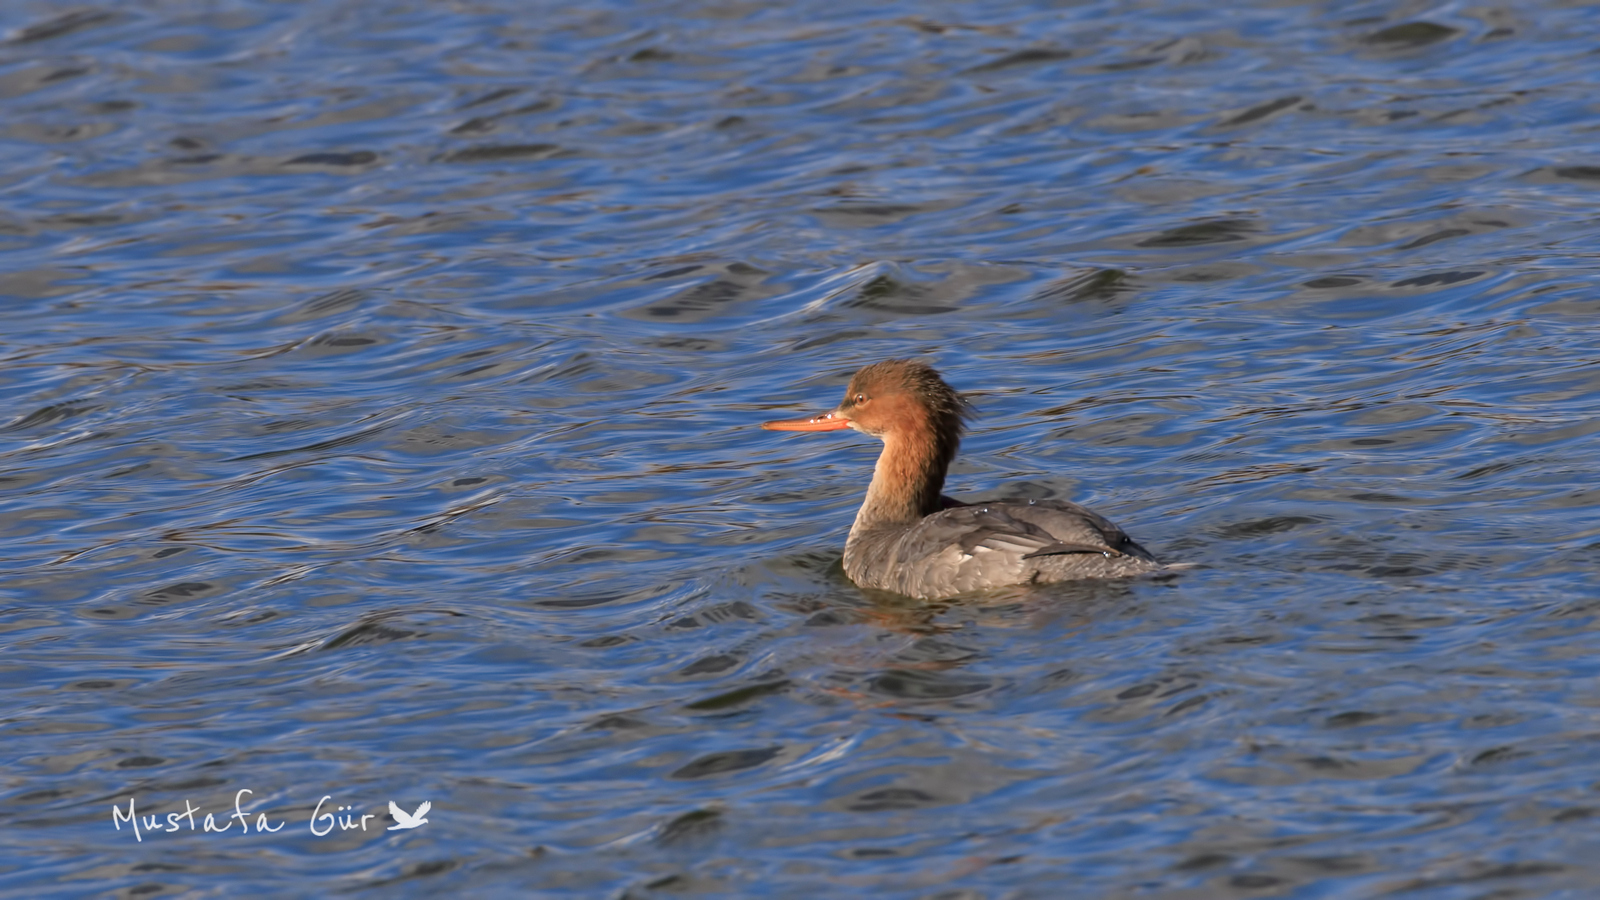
pixel 910 539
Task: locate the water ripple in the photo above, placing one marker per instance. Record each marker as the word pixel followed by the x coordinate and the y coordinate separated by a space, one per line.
pixel 382 382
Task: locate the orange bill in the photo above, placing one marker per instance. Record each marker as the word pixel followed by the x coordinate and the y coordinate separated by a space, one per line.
pixel 825 422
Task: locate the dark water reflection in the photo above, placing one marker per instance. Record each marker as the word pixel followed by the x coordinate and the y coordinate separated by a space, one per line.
pixel 380 385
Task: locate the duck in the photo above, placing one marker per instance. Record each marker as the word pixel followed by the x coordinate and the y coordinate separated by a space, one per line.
pixel 910 538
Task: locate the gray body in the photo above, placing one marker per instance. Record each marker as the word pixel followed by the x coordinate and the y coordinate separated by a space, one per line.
pixel 985 545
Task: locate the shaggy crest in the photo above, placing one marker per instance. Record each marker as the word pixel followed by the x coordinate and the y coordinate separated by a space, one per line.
pixel 918 379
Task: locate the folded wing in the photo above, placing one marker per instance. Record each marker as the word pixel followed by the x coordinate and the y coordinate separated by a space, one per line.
pixel 1011 542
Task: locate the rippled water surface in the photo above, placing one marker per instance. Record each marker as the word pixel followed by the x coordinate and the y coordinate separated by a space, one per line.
pixel 379 388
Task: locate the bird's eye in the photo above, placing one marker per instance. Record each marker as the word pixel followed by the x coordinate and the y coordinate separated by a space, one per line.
pixel 861 398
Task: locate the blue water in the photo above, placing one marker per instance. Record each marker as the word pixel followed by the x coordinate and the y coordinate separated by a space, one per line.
pixel 380 386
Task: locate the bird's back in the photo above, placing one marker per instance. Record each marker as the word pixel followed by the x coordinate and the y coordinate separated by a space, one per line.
pixel 986 545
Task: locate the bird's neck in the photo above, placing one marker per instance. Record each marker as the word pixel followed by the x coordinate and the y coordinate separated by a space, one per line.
pixel 907 480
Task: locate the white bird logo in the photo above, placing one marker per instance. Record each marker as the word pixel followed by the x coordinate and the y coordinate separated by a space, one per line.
pixel 402 820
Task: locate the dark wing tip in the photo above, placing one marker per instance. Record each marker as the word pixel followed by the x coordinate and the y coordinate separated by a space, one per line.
pixel 1060 547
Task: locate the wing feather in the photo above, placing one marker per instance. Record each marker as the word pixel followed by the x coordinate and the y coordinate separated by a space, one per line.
pixel 1006 542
